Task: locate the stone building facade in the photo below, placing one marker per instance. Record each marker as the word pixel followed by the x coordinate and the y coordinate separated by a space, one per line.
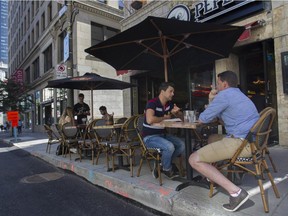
pixel 36 35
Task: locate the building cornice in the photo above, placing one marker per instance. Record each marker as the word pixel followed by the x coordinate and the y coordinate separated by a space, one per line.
pixel 100 9
pixel 141 14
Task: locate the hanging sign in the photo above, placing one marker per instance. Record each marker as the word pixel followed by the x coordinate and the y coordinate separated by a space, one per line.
pixel 66 47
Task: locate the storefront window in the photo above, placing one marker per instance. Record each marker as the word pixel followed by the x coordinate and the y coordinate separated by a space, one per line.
pixel 47 94
pixel 201 81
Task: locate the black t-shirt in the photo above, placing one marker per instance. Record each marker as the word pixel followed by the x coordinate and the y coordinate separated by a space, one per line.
pixel 81 108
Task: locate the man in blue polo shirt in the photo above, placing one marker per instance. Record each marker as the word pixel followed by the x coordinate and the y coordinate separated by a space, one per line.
pixel 157 110
pixel 238 114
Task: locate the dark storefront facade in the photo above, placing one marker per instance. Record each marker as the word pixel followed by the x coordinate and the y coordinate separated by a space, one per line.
pixel 252 58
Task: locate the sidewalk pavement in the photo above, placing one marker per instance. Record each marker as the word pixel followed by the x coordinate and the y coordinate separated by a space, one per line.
pixel 192 200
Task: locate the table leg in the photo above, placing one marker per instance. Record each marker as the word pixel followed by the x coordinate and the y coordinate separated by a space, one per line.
pixel 188 152
pixel 120 165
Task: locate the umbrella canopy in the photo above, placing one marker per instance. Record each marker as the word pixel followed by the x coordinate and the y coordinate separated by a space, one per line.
pixel 89 81
pixel 161 44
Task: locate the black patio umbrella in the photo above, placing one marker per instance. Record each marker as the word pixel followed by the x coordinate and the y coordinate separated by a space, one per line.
pixel 160 43
pixel 89 81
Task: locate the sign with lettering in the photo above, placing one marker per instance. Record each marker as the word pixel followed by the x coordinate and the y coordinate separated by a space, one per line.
pixel 17 76
pixel 219 11
pixel 212 9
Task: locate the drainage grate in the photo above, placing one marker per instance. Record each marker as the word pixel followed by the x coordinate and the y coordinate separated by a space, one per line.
pixel 41 178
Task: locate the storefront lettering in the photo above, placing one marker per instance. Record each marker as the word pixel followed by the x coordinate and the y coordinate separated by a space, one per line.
pixel 209 6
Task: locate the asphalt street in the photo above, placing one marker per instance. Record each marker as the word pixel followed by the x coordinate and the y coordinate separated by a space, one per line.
pixel 31 186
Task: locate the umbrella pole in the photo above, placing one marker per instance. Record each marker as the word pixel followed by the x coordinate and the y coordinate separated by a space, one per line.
pixel 164 45
pixel 165 69
pixel 92 110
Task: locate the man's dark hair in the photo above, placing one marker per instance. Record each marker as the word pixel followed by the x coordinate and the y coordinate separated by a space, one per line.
pixel 103 108
pixel 81 95
pixel 230 77
pixel 164 85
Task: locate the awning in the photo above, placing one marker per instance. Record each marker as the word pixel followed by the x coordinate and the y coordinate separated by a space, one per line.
pixel 121 72
pixel 247 33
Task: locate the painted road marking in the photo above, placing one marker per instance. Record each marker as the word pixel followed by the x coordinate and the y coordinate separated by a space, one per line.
pixel 266 185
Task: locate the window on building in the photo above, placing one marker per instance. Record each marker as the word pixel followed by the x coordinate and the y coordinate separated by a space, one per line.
pixel 32 37
pixel 61 47
pixel 48 58
pixel 100 33
pixel 43 22
pixel 110 32
pixel 27 75
pixel 37 31
pixel 32 9
pixel 36 69
pixel 49 13
pixel 47 94
pixel 28 18
pixel 28 43
pixel 59 7
pixel 36 5
pixel 24 23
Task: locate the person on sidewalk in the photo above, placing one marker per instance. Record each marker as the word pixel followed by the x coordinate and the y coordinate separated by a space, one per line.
pixel 67 116
pixel 157 110
pixel 105 115
pixel 238 114
pixel 19 127
pixel 81 110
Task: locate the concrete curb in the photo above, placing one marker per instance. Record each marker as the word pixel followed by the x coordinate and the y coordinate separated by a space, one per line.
pixel 146 190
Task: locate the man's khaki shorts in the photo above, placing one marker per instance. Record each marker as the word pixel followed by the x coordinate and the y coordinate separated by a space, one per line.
pixel 223 148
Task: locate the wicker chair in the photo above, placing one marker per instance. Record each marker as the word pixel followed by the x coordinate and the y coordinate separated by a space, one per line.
pixel 126 145
pixel 53 138
pixel 256 164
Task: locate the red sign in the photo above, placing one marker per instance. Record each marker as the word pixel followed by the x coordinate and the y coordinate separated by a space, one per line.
pixel 17 76
pixel 13 116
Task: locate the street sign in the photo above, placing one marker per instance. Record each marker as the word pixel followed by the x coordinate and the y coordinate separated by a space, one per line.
pixel 61 71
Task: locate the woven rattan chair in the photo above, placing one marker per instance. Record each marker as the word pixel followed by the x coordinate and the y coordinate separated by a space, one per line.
pixel 88 141
pixel 147 154
pixel 53 138
pixel 127 144
pixel 256 164
pixel 103 137
pixel 70 138
pixel 266 149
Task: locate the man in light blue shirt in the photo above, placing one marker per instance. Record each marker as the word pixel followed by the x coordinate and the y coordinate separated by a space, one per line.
pixel 239 114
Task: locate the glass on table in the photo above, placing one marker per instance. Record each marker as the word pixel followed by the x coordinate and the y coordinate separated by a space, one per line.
pixel 84 120
pixel 189 116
